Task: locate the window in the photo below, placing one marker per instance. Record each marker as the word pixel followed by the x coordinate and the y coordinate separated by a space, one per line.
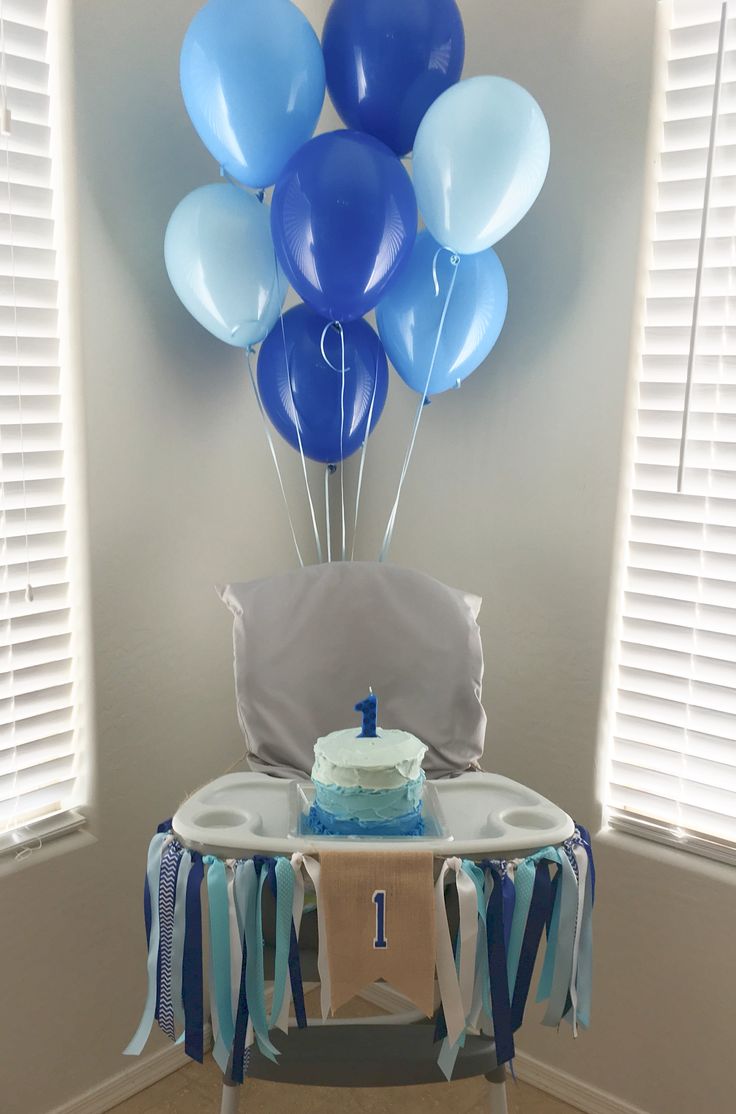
pixel 672 771
pixel 40 770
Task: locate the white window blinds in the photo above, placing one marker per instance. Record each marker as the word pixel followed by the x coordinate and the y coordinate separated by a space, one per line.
pixel 38 752
pixel 673 754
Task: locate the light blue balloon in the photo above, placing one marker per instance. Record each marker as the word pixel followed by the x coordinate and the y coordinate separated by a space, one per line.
pixel 409 316
pixel 220 259
pixel 253 81
pixel 480 159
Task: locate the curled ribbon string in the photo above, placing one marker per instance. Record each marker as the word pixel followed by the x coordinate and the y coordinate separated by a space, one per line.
pixel 329 469
pixel 341 370
pixel 274 457
pixel 153 871
pixel 455 261
pixel 297 426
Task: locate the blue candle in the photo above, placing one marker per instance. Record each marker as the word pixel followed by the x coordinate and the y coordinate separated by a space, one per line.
pixel 368 708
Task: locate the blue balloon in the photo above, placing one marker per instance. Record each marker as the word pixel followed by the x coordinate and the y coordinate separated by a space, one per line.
pixel 480 159
pixel 316 383
pixel 386 61
pixel 220 259
pixel 409 316
pixel 344 218
pixel 253 81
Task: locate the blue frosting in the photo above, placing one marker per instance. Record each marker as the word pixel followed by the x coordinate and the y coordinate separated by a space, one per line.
pixel 369 805
pixel 322 822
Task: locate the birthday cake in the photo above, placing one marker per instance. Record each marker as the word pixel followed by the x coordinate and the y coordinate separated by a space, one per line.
pixel 368 782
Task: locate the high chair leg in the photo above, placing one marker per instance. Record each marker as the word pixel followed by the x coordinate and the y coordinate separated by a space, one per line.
pixel 230 1098
pixel 497 1091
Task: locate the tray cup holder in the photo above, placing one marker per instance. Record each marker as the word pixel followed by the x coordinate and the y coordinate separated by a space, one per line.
pixel 535 818
pixel 228 818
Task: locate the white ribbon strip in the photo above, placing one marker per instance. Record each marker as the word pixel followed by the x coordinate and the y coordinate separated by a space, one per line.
pixel 236 941
pixel 325 994
pixel 581 858
pixel 456 989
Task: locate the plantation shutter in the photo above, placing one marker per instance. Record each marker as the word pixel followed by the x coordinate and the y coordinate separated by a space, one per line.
pixel 38 751
pixel 673 755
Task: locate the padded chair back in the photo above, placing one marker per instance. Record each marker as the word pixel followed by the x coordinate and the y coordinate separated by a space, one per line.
pixel 308 644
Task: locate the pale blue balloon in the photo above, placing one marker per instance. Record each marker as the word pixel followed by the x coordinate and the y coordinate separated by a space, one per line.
pixel 220 259
pixel 480 159
pixel 409 316
pixel 253 80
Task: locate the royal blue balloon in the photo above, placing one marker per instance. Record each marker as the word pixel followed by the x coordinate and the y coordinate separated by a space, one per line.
pixel 253 81
pixel 386 61
pixel 316 386
pixel 409 316
pixel 343 218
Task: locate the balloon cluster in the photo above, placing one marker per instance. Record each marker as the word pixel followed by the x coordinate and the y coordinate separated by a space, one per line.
pixel 342 223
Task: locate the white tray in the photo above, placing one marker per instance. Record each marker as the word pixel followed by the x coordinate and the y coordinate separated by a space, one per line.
pixel 483 815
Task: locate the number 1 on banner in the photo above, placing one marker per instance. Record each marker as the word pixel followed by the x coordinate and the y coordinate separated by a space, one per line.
pixel 379 900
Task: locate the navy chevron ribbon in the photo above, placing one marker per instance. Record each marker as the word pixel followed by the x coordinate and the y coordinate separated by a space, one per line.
pixel 166 902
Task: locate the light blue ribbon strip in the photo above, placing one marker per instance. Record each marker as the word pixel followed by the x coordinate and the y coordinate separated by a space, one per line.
pixel 177 943
pixel 220 958
pixel 564 943
pixel 524 879
pixel 284 902
pixel 254 979
pixel 153 871
pixel 585 957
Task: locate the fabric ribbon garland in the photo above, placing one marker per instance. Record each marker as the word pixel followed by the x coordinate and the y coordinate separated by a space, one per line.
pixel 484 975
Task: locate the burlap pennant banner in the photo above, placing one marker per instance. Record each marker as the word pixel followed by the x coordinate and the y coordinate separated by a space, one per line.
pixel 379 922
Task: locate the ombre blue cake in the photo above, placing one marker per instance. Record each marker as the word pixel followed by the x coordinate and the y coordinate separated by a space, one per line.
pixel 368 785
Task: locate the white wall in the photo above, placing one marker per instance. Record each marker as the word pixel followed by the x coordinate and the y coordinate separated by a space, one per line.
pixel 512 493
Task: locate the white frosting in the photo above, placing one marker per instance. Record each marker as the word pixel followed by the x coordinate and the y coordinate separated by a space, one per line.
pixel 390 760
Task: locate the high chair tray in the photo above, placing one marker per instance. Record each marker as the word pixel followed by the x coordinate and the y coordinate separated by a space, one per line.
pixel 482 815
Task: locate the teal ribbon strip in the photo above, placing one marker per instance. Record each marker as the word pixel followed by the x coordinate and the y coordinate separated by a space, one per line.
pixel 284 903
pixel 177 944
pixel 153 871
pixel 220 958
pixel 563 943
pixel 240 897
pixel 254 979
pixel 482 974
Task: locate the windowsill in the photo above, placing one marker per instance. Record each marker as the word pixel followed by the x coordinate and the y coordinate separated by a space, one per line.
pixel 52 847
pixel 665 854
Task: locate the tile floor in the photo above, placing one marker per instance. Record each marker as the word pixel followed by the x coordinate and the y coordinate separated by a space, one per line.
pixel 196 1090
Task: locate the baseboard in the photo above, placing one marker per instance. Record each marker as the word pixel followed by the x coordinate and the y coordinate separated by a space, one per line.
pixel 560 1085
pixel 554 1082
pixel 142 1073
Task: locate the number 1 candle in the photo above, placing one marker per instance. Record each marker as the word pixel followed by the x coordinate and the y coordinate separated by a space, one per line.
pixel 368 707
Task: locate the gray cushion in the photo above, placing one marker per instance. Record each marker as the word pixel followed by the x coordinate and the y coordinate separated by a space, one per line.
pixel 310 642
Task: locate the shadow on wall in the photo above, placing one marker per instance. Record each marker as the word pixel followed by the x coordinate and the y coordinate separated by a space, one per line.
pixel 137 156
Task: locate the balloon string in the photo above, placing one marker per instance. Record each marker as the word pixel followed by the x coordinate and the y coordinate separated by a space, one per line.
pixel 362 461
pixel 387 537
pixel 317 540
pixel 272 447
pixel 327 512
pixel 342 438
pixel 338 326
